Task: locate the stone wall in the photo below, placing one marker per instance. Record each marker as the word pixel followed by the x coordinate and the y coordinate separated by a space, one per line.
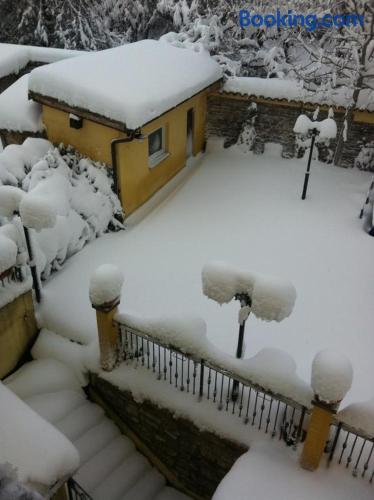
pixel 18 331
pixel 274 123
pixel 198 460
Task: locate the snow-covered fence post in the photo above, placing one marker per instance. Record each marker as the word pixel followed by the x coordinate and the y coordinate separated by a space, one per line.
pixel 331 380
pixel 105 291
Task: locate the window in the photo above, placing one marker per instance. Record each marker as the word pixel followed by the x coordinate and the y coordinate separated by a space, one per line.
pixel 156 147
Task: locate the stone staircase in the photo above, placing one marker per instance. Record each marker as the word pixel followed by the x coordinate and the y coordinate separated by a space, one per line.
pixel 111 468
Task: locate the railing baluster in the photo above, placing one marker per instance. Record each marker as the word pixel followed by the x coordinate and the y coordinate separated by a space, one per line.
pixel 176 374
pixel 335 442
pixel 209 381
pixel 366 465
pixel 153 358
pixel 262 411
pixel 235 399
pixel 299 428
pixel 283 428
pixel 354 472
pixel 268 416
pixel 343 448
pixel 276 420
pixel 255 409
pixel 194 378
pixel 188 376
pixel 220 406
pixel 170 366
pixel 201 389
pixel 349 459
pixel 228 395
pixel 159 362
pixel 246 420
pixel 148 353
pixel 165 368
pixel 241 402
pixel 215 386
pixel 182 381
pixel 142 352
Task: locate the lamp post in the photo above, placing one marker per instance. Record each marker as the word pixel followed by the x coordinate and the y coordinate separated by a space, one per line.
pixel 315 132
pixel 244 312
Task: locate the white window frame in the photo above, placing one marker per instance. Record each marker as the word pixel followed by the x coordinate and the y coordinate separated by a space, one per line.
pixel 158 156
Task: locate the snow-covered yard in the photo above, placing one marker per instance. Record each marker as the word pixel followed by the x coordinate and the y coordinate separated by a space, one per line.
pixel 246 210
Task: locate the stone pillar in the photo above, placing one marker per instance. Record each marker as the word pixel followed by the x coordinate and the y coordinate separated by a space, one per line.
pixel 318 433
pixel 108 334
pixel 105 291
pixel 332 376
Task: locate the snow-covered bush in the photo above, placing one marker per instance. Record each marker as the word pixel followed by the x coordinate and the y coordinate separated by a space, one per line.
pixel 332 376
pixel 11 488
pixel 105 285
pixel 66 198
pixel 365 158
pixel 272 299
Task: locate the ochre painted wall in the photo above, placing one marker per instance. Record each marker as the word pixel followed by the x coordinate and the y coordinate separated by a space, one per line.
pixel 18 330
pixel 136 180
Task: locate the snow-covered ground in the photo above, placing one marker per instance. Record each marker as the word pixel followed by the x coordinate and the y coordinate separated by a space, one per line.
pixel 246 210
pixel 249 478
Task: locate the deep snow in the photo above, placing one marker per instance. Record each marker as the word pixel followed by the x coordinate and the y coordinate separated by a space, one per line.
pixel 246 210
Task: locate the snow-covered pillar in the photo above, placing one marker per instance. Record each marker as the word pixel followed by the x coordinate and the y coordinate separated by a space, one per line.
pixel 105 291
pixel 331 380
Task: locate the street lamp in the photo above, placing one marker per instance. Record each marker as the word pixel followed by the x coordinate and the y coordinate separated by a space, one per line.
pixel 315 132
pixel 325 129
pixel 244 312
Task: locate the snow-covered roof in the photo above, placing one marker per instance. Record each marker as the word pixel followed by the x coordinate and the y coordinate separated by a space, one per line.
pixel 131 84
pixel 17 111
pixel 293 90
pixel 13 58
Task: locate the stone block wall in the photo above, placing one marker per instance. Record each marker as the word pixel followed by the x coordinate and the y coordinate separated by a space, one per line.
pixel 197 459
pixel 274 123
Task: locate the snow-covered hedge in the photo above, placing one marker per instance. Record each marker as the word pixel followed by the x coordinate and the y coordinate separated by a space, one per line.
pixel 66 198
pixel 365 158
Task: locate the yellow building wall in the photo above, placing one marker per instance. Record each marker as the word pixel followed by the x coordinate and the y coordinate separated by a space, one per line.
pixel 137 182
pixel 18 330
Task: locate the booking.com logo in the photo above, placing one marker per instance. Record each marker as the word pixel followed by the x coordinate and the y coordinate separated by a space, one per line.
pixel 291 20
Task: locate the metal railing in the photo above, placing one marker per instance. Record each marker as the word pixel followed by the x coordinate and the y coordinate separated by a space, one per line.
pixel 353 449
pixel 255 406
pixel 76 492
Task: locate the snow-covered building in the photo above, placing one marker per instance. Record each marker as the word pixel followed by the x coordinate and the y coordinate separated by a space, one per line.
pixel 140 107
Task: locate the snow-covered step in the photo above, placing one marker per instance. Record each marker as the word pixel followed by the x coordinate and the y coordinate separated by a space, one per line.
pixel 95 471
pixel 147 487
pixel 124 477
pixel 80 420
pixel 110 467
pixel 169 493
pixel 54 406
pixel 95 439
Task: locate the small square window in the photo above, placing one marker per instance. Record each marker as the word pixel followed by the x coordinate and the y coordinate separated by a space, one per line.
pixel 156 147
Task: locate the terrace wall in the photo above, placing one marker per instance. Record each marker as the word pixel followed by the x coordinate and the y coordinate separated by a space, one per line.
pixel 18 330
pixel 275 120
pixel 194 461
